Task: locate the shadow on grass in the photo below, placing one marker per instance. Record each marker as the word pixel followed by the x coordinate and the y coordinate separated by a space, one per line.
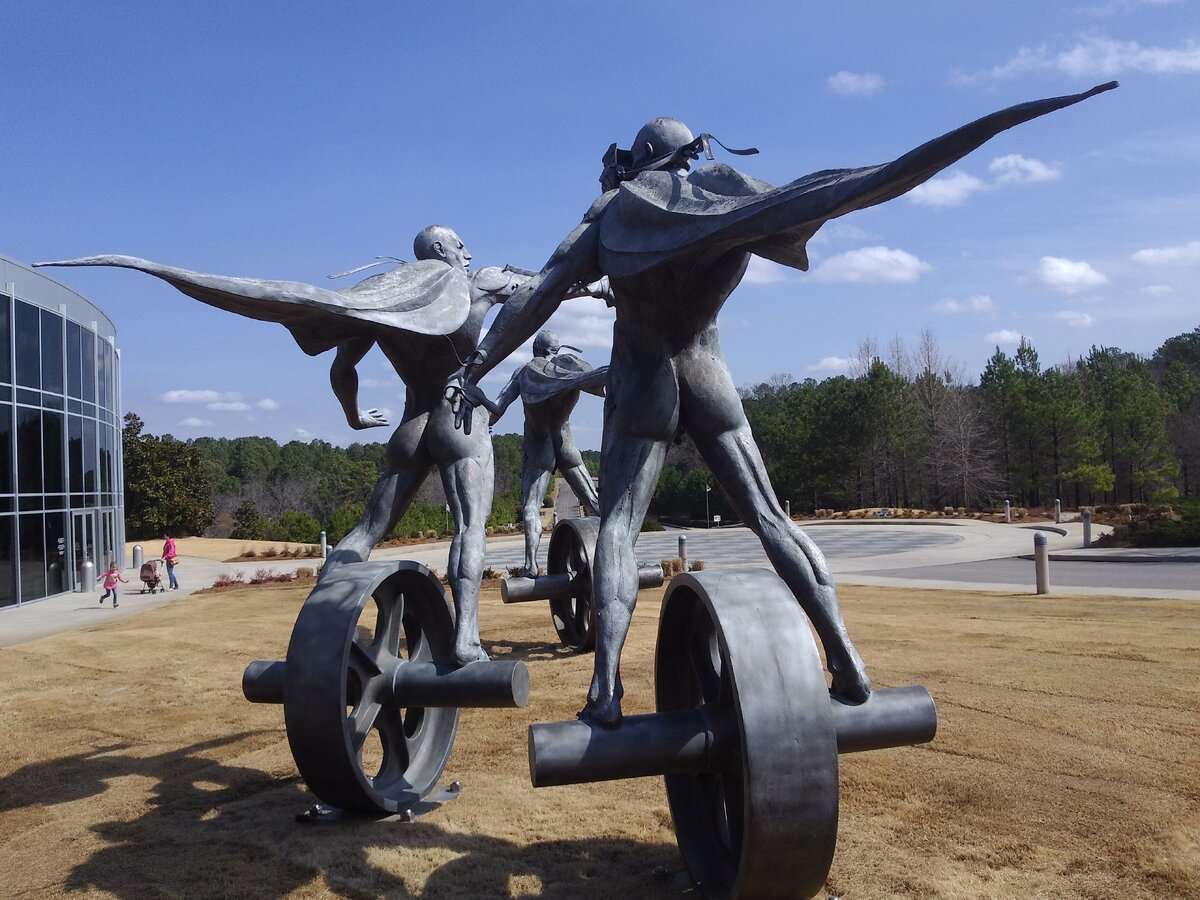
pixel 208 828
pixel 537 651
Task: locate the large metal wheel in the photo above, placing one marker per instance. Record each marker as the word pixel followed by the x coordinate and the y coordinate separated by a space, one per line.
pixel 354 745
pixel 763 822
pixel 572 549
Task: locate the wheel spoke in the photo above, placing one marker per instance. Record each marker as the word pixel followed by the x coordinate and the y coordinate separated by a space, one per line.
pixel 387 626
pixel 396 748
pixel 705 659
pixel 361 720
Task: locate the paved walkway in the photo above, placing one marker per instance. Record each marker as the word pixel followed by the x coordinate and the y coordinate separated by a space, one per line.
pixel 944 555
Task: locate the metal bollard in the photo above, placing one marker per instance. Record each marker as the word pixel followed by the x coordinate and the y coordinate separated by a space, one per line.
pixel 1087 528
pixel 137 557
pixel 787 508
pixel 1057 512
pixel 1007 513
pixel 324 546
pixel 1041 562
pixel 683 550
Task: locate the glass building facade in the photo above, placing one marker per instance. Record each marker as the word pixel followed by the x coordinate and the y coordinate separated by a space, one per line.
pixel 61 509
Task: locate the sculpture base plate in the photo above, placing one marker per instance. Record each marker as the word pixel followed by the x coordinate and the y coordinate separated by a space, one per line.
pixel 324 814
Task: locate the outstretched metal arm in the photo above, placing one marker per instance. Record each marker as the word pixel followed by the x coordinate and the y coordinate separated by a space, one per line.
pixel 343 378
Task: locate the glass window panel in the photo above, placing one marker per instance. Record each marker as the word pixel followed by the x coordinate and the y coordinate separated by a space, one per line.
pixel 8 583
pixel 105 379
pixel 56 553
pixel 52 453
pixel 89 455
pixel 5 353
pixel 6 449
pixel 88 366
pixel 75 452
pixel 74 360
pixel 106 459
pixel 29 345
pixel 52 352
pixel 30 502
pixel 29 451
pixel 33 555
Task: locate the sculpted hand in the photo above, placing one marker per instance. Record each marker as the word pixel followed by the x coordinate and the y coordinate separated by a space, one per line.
pixel 369 418
pixel 457 395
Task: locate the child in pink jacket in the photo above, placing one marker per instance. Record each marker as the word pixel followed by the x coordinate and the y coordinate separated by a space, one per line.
pixel 111 579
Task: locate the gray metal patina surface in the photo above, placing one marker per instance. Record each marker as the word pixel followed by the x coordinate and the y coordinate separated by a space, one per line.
pixel 426 317
pixel 674 245
pixel 549 386
pixel 746 735
pixel 372 654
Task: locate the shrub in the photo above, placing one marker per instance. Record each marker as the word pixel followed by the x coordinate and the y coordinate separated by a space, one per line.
pixel 267 576
pixel 229 579
pixel 305 572
pixel 698 566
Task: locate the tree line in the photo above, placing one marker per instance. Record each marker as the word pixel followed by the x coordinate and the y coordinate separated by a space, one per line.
pixel 255 488
pixel 911 431
pixel 908 431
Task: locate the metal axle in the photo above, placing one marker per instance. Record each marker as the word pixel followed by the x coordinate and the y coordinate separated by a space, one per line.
pixel 425 684
pixel 694 740
pixel 561 585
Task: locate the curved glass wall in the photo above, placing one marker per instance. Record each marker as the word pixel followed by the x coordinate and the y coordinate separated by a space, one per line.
pixel 61 513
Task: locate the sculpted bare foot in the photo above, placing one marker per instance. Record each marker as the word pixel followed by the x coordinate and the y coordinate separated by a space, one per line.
pixel 605 713
pixel 850 682
pixel 467 653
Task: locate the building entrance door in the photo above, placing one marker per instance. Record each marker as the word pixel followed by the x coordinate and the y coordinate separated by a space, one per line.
pixel 83 548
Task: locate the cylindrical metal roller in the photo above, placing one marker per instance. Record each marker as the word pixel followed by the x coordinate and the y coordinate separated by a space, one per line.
pixel 480 684
pixel 560 585
pixel 682 740
pixel 891 717
pixel 689 740
pixel 428 684
pixel 262 682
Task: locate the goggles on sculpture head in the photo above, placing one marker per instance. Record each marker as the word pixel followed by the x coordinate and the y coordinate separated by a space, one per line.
pixel 619 164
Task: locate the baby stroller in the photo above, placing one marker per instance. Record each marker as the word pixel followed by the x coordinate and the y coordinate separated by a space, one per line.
pixel 151 579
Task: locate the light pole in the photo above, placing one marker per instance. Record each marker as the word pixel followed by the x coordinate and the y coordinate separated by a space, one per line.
pixel 707 518
pixel 447 518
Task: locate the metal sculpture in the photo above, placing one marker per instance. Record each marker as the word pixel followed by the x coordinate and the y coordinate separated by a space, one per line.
pixel 568 584
pixel 746 736
pixel 372 657
pixel 674 245
pixel 426 317
pixel 549 386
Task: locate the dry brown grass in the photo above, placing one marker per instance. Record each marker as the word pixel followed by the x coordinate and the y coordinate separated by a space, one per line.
pixel 1067 764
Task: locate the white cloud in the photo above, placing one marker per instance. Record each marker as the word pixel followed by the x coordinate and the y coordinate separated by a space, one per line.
pixel 830 364
pixel 267 404
pixel 1068 276
pixel 228 406
pixel 1005 336
pixel 194 396
pixel 193 422
pixel 1187 255
pixel 1158 290
pixel 763 271
pixel 586 322
pixel 948 190
pixel 1097 56
pixel 977 303
pixel 388 383
pixel 302 435
pixel 857 84
pixel 1074 319
pixel 1017 169
pixel 872 265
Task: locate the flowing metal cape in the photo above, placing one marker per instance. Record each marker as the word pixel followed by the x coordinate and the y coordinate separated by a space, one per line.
pixel 426 297
pixel 545 377
pixel 658 216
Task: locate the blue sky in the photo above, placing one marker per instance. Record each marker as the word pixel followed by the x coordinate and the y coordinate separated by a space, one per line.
pixel 295 140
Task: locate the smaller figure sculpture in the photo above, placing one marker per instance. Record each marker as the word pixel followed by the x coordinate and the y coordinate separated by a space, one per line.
pixel 549 386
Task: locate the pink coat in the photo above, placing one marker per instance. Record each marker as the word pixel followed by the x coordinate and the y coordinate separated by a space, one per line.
pixel 111 579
